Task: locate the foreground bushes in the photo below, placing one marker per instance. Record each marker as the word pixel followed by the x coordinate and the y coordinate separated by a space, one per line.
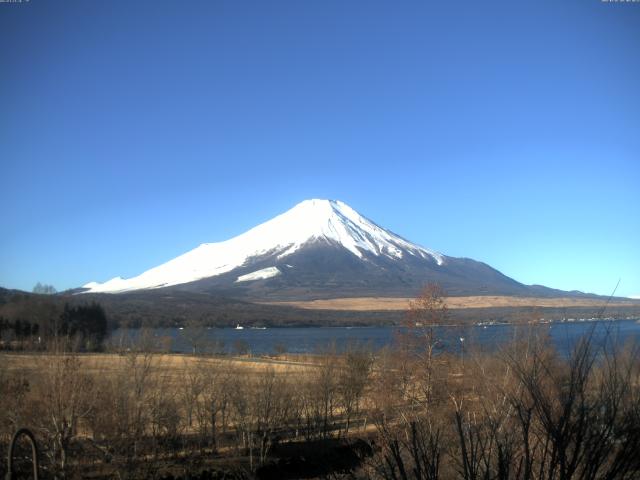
pixel 522 413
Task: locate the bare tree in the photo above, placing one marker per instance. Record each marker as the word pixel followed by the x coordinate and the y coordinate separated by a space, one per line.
pixel 418 340
pixel 165 425
pixel 44 289
pixel 195 334
pixel 270 405
pixel 191 388
pixel 411 450
pixel 353 378
pixel 581 418
pixel 322 396
pixel 66 396
pixel 212 409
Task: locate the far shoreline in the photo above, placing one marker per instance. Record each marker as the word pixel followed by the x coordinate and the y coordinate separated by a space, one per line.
pixel 462 302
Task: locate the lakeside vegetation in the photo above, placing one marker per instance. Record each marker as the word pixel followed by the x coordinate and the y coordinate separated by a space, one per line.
pixel 405 412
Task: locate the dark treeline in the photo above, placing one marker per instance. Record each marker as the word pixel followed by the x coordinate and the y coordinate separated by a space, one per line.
pixel 179 309
pixel 84 325
pixel 19 329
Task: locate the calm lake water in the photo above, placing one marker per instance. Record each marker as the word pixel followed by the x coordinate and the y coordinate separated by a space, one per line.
pixel 315 339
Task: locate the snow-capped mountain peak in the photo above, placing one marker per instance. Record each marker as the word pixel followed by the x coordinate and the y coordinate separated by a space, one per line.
pixel 309 222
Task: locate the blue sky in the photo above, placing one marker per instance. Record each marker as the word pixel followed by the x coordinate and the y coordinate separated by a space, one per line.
pixel 508 132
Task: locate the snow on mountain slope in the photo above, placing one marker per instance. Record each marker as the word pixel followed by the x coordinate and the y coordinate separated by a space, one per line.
pixel 268 272
pixel 309 221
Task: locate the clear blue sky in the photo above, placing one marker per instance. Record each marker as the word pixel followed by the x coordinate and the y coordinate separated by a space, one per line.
pixel 504 131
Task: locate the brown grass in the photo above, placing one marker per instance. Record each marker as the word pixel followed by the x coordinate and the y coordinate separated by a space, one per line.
pixel 402 303
pixel 173 365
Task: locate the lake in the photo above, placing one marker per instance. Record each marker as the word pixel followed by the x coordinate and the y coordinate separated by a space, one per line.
pixel 314 339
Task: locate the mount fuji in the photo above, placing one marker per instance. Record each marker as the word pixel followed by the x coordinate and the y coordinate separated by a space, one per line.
pixel 318 249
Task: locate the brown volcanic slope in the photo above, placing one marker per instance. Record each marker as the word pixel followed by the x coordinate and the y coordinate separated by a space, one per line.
pixel 402 303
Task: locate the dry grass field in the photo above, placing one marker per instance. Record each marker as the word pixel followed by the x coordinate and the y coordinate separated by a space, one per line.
pixel 173 366
pixel 402 303
pixel 143 415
